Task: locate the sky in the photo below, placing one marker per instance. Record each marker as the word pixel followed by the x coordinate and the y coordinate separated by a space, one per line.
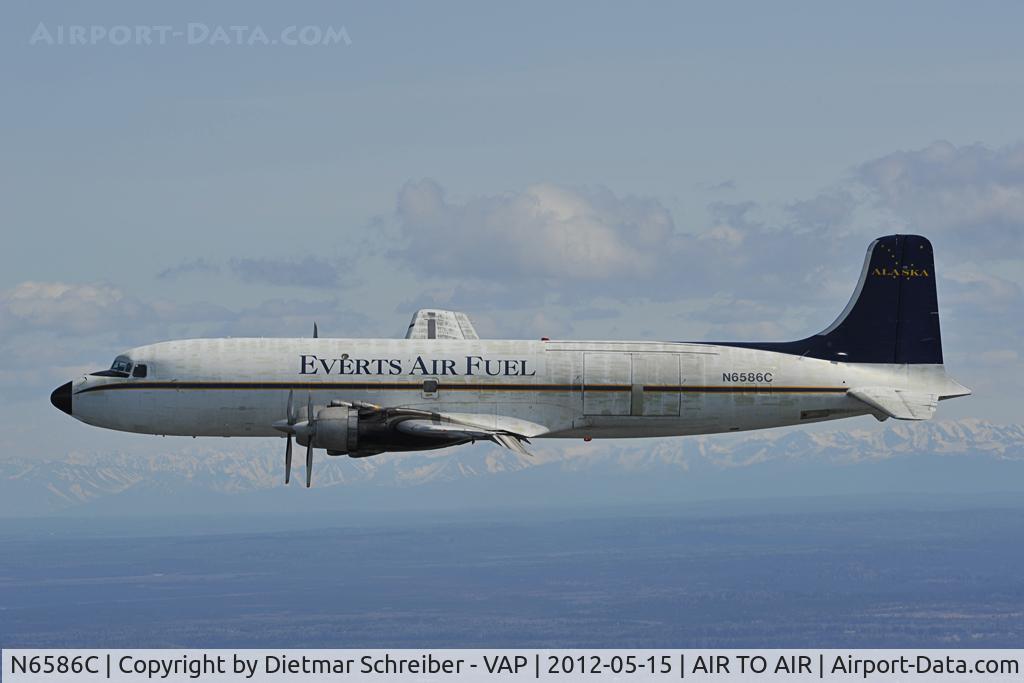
pixel 572 170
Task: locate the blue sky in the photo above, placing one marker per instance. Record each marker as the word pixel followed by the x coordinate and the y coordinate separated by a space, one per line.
pixel 654 170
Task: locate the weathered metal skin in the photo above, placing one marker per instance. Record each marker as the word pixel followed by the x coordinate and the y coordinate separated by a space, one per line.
pixel 239 387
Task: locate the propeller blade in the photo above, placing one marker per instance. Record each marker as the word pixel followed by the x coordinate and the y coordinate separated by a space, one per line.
pixel 309 464
pixel 288 461
pixel 290 411
pixel 316 332
pixel 311 427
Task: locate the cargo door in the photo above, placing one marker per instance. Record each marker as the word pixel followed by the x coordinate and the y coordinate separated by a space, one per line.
pixel 656 384
pixel 607 383
pixel 692 384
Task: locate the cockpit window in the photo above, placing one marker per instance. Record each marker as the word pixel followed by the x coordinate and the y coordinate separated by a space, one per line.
pixel 121 367
pixel 121 364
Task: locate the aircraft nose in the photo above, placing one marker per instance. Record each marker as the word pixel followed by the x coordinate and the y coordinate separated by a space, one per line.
pixel 61 397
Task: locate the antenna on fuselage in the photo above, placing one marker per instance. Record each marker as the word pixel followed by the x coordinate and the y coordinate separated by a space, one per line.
pixel 316 333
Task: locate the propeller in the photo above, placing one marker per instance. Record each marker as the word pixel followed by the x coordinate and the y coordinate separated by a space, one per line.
pixel 312 427
pixel 288 461
pixel 309 442
pixel 291 419
pixel 302 430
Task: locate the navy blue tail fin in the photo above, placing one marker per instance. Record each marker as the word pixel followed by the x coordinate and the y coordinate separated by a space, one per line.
pixel 918 339
pixel 893 316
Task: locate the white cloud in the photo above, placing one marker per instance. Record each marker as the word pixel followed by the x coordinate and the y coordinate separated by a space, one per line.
pixel 71 308
pixel 567 248
pixel 829 210
pixel 724 233
pixel 973 194
pixel 57 329
pixel 198 266
pixel 544 231
pixel 752 271
pixel 310 271
pixel 974 292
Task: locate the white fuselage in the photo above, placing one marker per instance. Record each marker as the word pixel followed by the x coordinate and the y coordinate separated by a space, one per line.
pixel 240 387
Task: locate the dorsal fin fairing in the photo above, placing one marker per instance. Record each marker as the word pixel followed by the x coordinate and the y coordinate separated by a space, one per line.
pixel 433 323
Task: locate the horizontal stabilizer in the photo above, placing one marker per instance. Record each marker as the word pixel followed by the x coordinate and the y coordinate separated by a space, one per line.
pixel 898 403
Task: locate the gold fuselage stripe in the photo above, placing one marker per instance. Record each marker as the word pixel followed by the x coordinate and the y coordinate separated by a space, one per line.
pixel 418 386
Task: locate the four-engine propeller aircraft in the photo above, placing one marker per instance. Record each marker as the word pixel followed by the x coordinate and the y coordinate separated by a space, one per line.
pixel 442 385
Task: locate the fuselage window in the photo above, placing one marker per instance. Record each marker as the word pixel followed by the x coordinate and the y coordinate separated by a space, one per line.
pixel 140 370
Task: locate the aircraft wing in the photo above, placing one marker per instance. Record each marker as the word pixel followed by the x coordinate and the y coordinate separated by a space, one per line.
pixel 436 429
pixel 898 403
pixel 433 323
pixel 441 430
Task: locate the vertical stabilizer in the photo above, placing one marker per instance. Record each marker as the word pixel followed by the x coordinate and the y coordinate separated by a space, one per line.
pixel 893 315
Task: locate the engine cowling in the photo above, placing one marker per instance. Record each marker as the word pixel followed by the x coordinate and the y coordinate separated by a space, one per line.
pixel 340 429
pixel 337 429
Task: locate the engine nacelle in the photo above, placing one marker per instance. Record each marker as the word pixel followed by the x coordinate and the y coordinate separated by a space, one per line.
pixel 340 430
pixel 337 429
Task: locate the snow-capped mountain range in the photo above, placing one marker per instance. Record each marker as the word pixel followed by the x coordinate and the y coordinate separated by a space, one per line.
pixel 902 454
